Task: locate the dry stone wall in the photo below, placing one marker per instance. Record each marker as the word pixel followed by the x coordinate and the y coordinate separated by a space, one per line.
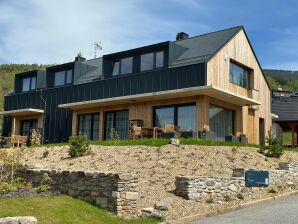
pixel 116 193
pixel 201 187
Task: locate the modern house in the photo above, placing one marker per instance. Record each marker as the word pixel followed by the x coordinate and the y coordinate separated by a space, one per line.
pixel 285 107
pixel 210 82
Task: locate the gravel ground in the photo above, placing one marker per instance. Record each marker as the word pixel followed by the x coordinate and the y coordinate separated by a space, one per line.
pixel 157 168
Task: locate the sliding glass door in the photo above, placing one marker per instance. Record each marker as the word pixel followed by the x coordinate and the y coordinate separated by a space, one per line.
pixel 117 120
pixel 220 121
pixel 183 116
pixel 89 126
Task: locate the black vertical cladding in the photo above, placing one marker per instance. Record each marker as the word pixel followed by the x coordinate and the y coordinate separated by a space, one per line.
pixel 58 120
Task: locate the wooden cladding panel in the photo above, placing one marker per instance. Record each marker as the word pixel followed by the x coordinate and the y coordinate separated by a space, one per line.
pixel 238 49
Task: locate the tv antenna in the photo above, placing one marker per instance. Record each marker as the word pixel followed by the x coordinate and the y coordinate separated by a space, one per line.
pixel 97 47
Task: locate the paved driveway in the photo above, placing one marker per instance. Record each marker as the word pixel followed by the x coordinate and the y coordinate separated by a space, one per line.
pixel 281 211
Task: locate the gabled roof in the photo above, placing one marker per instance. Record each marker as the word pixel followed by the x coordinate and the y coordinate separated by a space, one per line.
pixel 200 48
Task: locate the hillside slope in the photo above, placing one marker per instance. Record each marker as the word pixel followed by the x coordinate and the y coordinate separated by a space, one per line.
pixel 287 80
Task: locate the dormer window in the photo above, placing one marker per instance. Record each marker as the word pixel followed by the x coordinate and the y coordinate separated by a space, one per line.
pixel 28 84
pixel 152 60
pixel 63 78
pixel 123 66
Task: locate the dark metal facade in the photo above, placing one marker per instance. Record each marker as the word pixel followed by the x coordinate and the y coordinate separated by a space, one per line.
pixel 58 121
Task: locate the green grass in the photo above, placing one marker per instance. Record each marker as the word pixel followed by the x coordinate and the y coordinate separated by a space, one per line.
pixel 159 142
pixel 62 209
pixel 287 138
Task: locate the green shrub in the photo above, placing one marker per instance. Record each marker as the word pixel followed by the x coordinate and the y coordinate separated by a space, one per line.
pixel 45 153
pixel 114 134
pixel 45 179
pixel 274 147
pixel 210 200
pixel 272 191
pixel 240 196
pixel 6 188
pixel 42 188
pixel 78 146
pixel 227 198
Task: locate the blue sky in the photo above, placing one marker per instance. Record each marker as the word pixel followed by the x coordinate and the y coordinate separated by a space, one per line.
pixel 54 31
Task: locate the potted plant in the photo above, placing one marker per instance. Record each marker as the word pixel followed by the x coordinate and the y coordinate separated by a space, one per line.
pixel 167 135
pixel 187 134
pixel 243 138
pixel 231 138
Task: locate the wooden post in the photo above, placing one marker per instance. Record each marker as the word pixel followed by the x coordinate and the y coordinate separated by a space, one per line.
pixel 13 131
pixel 203 113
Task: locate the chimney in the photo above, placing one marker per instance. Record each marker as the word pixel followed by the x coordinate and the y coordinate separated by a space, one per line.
pixel 182 36
pixel 80 58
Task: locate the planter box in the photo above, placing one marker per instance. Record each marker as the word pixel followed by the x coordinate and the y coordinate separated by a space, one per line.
pixel 243 139
pixel 186 134
pixel 167 135
pixel 232 138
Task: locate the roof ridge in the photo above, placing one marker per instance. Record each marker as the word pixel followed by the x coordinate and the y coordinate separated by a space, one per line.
pixel 204 34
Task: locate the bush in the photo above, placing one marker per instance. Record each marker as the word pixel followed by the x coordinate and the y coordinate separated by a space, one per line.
pixel 272 191
pixel 274 147
pixel 114 134
pixel 78 146
pixel 240 196
pixel 6 188
pixel 45 153
pixel 42 188
pixel 209 200
pixel 227 198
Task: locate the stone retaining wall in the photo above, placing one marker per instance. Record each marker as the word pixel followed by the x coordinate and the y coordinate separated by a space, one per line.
pixel 202 187
pixel 289 166
pixel 116 193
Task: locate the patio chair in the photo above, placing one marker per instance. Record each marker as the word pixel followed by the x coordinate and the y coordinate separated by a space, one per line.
pixel 136 132
pixel 18 140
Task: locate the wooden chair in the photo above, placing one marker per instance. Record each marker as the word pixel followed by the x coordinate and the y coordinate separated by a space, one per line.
pixel 171 128
pixel 137 132
pixel 18 140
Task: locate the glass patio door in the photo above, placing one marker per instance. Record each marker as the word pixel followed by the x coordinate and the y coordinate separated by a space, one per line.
pixel 117 120
pixel 26 125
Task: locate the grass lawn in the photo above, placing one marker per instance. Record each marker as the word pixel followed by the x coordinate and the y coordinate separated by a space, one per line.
pixel 159 142
pixel 62 209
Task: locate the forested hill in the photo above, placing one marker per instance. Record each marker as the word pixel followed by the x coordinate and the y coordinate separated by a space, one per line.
pixel 287 80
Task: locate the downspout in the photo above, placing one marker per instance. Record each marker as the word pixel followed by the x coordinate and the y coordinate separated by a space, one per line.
pixel 44 116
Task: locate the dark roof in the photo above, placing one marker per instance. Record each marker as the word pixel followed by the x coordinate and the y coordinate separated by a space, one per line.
pixel 201 48
pixel 93 71
pixel 286 108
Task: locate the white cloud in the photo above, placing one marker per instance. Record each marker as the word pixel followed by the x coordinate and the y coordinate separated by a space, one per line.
pixel 35 31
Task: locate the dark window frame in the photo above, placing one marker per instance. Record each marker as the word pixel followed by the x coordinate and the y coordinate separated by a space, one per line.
pixel 233 116
pixel 65 77
pixel 30 83
pixel 249 71
pixel 175 106
pixel 30 123
pixel 92 123
pixel 120 65
pixel 154 60
pixel 114 120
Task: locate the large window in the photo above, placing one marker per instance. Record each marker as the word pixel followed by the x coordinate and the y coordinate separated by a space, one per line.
pixel 183 116
pixel 117 120
pixel 89 126
pixel 152 60
pixel 123 66
pixel 220 121
pixel 28 84
pixel 63 78
pixel 239 75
